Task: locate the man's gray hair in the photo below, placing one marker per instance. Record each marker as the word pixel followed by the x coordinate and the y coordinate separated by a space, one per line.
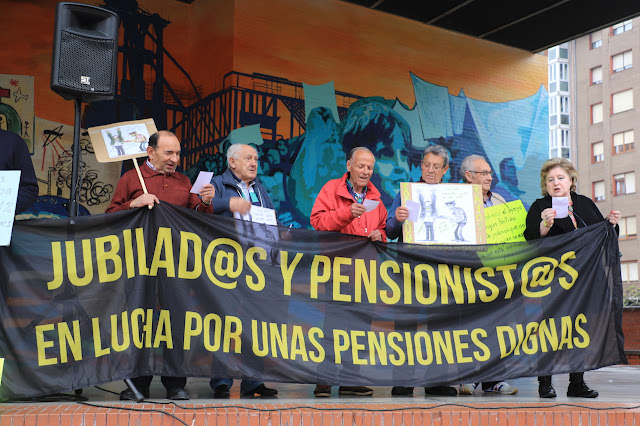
pixel 352 153
pixel 438 150
pixel 466 165
pixel 234 151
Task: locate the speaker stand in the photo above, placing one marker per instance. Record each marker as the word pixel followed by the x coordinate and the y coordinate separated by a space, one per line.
pixel 74 205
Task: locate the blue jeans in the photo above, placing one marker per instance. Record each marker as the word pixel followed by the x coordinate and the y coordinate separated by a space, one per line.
pixel 245 386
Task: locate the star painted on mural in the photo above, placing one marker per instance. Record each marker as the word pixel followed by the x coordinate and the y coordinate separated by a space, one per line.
pixel 18 95
pixel 14 82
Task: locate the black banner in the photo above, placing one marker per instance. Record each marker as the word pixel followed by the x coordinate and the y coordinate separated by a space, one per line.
pixel 175 292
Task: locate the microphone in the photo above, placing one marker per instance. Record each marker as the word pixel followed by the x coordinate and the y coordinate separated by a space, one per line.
pixel 134 389
pixel 577 216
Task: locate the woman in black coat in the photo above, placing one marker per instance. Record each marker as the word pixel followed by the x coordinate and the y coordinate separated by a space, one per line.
pixel 558 178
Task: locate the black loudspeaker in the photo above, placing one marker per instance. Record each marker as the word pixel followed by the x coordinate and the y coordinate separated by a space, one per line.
pixel 85 52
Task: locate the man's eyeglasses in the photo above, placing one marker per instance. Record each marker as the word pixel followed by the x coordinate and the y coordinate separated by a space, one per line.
pixel 483 172
pixel 434 167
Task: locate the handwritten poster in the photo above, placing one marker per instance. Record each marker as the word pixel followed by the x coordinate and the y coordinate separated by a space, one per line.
pixel 449 213
pixel 505 223
pixel 9 184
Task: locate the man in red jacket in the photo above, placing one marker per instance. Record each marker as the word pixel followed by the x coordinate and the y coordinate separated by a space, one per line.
pixel 163 183
pixel 339 207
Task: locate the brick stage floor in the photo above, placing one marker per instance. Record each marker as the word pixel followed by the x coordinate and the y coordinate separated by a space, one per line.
pixel 618 404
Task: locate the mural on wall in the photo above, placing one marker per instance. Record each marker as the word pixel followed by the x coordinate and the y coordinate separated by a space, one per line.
pixel 52 161
pixel 511 135
pixel 16 106
pixel 305 135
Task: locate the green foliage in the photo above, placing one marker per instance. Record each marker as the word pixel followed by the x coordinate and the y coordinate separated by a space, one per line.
pixel 631 296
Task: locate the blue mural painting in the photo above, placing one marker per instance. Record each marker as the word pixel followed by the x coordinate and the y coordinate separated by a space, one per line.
pixel 513 136
pixel 300 149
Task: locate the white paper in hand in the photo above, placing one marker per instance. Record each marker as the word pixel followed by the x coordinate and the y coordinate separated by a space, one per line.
pixel 370 205
pixel 9 184
pixel 414 210
pixel 203 179
pixel 263 215
pixel 561 206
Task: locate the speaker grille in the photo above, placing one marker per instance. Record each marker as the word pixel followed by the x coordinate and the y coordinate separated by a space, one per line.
pixel 86 57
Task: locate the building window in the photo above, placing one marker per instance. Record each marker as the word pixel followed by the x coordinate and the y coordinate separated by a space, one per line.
pixel 564 110
pixel 597 152
pixel 621 61
pixel 553 141
pixel 564 77
pixel 596 75
pixel 629 271
pixel 628 227
pixel 564 72
pixel 563 53
pixel 622 27
pixel 623 142
pixel 624 183
pixel 622 101
pixel 598 190
pixel 596 39
pixel 563 114
pixel 596 113
pixel 564 138
pixel 553 78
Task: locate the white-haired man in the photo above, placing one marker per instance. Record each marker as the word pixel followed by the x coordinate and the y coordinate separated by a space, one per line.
pixel 339 207
pixel 475 170
pixel 236 190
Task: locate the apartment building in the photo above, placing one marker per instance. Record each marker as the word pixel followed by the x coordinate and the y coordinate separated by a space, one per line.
pixel 603 119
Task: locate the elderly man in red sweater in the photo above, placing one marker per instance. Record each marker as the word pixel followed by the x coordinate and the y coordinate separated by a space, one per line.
pixel 339 207
pixel 161 179
pixel 163 183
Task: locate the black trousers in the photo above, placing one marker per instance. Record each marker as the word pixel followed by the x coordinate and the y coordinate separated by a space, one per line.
pixel 573 378
pixel 143 382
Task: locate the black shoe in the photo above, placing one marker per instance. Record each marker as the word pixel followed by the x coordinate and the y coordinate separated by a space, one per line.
pixel 402 391
pixel 546 390
pixel 221 392
pixel 177 394
pixel 581 390
pixel 322 391
pixel 261 390
pixel 355 390
pixel 128 395
pixel 441 390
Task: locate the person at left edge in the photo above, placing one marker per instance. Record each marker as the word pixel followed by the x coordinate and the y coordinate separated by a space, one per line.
pixel 163 184
pixel 237 189
pixel 15 156
pixel 339 208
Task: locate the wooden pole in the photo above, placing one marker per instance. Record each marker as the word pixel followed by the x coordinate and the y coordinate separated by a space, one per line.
pixel 144 187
